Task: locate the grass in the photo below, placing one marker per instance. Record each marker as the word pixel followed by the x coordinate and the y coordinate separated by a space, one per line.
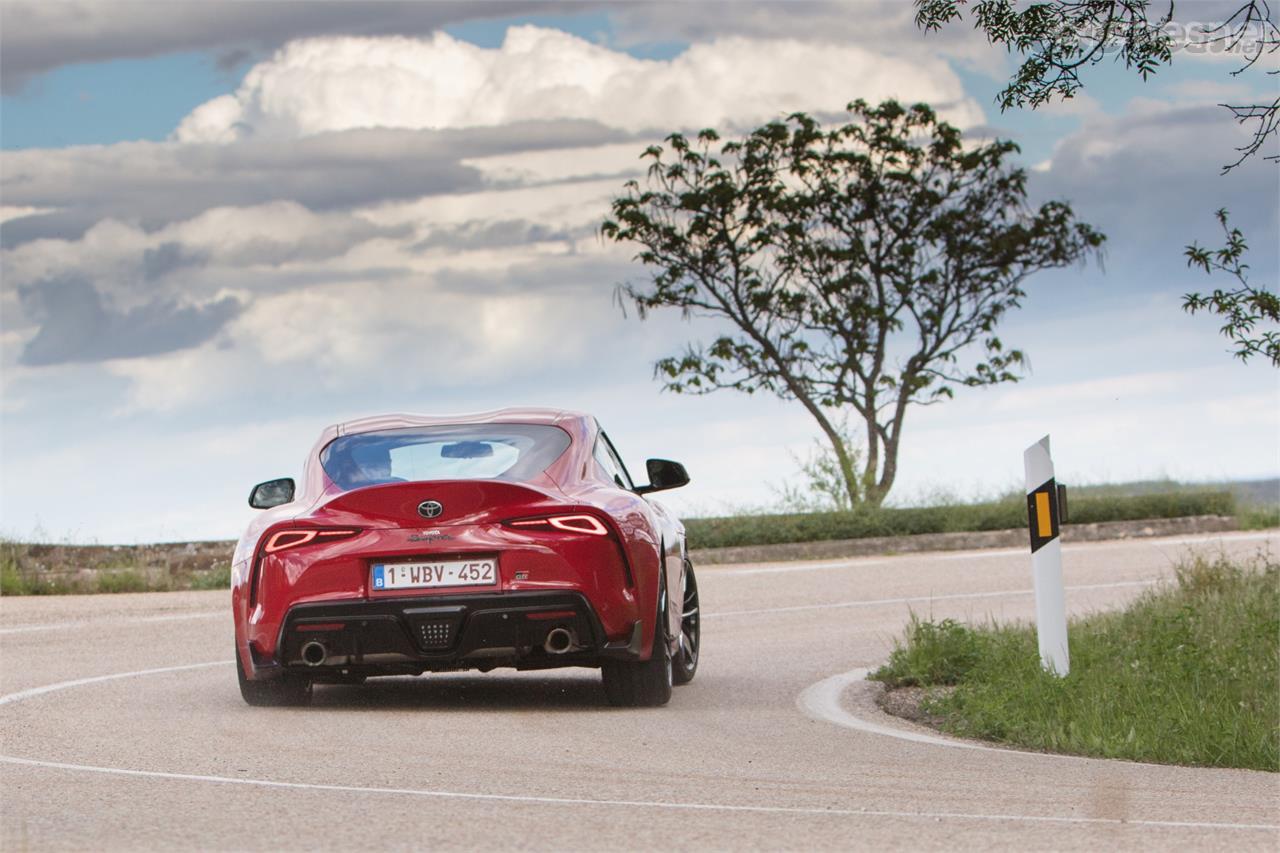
pixel 938 653
pixel 21 573
pixel 219 578
pixel 45 568
pixel 1003 514
pixel 13 581
pixel 1188 674
pixel 1258 517
pixel 125 580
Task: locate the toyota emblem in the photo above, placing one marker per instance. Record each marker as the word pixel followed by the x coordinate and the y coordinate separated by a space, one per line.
pixel 430 509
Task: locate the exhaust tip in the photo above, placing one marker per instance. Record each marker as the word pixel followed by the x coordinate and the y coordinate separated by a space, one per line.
pixel 314 653
pixel 559 641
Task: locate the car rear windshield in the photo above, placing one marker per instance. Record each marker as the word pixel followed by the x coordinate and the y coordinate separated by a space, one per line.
pixel 515 452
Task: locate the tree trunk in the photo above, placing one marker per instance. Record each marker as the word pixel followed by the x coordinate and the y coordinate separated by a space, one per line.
pixel 890 473
pixel 891 438
pixel 842 458
pixel 870 493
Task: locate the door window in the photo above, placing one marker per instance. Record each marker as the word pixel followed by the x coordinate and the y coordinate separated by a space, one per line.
pixel 611 466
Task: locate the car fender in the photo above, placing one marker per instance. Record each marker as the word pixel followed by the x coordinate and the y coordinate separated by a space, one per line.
pixel 670 531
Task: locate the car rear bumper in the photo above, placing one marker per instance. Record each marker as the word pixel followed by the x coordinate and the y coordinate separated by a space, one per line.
pixel 384 636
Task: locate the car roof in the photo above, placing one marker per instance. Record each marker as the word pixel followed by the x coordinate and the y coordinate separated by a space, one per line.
pixel 401 420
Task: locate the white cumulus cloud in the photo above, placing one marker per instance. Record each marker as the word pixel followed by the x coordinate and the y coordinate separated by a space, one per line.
pixel 318 85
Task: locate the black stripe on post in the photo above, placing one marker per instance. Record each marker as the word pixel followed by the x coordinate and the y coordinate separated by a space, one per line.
pixel 1042 514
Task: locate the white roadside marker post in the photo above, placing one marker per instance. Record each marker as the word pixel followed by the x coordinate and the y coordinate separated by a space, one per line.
pixel 1046 558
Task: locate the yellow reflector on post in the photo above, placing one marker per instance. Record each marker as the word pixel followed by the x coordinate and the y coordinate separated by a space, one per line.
pixel 1044 518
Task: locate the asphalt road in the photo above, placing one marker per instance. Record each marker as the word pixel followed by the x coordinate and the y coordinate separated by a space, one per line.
pixel 121 728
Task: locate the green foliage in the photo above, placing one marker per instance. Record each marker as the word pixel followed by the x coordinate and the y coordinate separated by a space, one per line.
pixel 1242 308
pixel 125 580
pixel 1186 675
pixel 1056 39
pixel 44 569
pixel 826 249
pixel 13 581
pixel 997 515
pixel 217 578
pixel 934 653
pixel 17 580
pixel 1259 518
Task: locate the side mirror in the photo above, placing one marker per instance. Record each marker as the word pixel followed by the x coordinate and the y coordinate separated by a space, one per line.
pixel 272 493
pixel 664 474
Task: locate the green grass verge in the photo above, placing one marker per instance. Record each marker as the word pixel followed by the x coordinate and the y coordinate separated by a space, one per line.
pixel 126 580
pixel 27 577
pixel 998 515
pixel 1259 518
pixel 16 582
pixel 1188 674
pixel 38 568
pixel 219 578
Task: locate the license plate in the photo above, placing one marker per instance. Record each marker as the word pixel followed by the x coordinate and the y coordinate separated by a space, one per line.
pixel 482 572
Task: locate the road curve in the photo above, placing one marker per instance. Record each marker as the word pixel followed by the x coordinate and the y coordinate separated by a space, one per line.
pixel 121 728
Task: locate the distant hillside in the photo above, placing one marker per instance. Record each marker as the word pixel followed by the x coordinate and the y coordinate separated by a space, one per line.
pixel 1247 493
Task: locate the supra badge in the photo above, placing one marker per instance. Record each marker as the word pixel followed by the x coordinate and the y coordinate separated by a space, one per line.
pixel 429 536
pixel 430 509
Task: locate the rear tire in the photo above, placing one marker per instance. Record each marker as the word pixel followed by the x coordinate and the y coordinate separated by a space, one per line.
pixel 287 691
pixel 643 684
pixel 685 665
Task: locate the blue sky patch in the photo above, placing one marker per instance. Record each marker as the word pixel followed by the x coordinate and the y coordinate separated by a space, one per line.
pixel 99 103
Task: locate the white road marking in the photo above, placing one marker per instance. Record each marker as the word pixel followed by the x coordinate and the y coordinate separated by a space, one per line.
pixel 563 801
pixel 806 567
pixel 914 599
pixel 124 620
pixel 985 554
pixel 80 682
pixel 821 702
pixel 644 804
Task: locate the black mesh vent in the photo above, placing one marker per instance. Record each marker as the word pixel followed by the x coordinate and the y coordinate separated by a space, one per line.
pixel 434 633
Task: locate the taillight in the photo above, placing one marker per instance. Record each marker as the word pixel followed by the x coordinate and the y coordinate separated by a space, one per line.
pixel 570 523
pixel 284 539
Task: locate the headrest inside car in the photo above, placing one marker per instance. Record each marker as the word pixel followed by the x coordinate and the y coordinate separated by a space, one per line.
pixel 467 450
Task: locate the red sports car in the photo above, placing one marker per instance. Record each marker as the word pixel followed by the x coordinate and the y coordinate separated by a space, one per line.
pixel 513 538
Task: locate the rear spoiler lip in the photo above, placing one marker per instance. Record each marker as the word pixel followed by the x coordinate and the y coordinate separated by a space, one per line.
pixel 529 497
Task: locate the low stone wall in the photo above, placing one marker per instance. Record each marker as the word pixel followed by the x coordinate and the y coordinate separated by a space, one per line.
pixel 841 548
pixel 184 558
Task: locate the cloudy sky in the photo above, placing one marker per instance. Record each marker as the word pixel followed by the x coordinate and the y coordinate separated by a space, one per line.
pixel 226 225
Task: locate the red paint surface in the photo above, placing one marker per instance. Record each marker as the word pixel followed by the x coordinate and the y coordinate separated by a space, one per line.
pixel 265 586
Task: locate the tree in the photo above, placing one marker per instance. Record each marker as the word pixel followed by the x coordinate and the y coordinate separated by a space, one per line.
pixel 1243 307
pixel 862 268
pixel 1059 38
